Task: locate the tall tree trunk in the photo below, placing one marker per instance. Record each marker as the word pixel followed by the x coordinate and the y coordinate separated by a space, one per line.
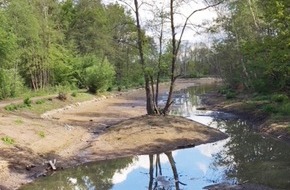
pixel 173 59
pixel 159 61
pixel 149 98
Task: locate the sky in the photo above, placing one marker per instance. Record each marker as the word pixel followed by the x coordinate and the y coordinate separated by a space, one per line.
pixel 191 34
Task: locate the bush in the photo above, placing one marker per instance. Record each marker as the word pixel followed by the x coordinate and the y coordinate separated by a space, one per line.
pixel 261 97
pixel 230 95
pixel 228 92
pixel 11 84
pixel 40 101
pixel 99 76
pixel 285 109
pixel 11 107
pixel 279 98
pixel 74 94
pixel 27 102
pixel 270 108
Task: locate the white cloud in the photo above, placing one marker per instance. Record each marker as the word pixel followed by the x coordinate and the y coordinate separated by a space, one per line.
pixel 141 162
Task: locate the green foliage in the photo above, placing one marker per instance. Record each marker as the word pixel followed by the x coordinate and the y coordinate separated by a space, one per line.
pixel 227 91
pixel 19 121
pixel 288 128
pixel 10 83
pixel 279 98
pixel 44 45
pixel 11 107
pixel 270 108
pixel 41 134
pixel 261 97
pixel 98 75
pixel 7 42
pixel 230 95
pixel 285 109
pixel 279 106
pixel 8 140
pixel 27 102
pixel 255 51
pixel 74 94
pixel 41 101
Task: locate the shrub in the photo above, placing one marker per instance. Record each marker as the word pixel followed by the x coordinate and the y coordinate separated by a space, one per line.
pixel 285 109
pixel 27 102
pixel 230 94
pixel 227 91
pixel 270 108
pixel 279 98
pixel 11 107
pixel 260 97
pixel 74 94
pixel 11 84
pixel 40 101
pixel 99 76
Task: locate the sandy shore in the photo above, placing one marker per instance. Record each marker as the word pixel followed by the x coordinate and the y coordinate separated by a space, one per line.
pixel 92 130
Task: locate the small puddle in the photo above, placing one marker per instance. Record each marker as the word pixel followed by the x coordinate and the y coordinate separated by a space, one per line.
pixel 243 157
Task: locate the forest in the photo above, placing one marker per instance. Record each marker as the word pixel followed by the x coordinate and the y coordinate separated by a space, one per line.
pixel 93 45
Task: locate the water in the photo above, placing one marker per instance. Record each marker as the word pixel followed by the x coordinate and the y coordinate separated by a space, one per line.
pixel 243 157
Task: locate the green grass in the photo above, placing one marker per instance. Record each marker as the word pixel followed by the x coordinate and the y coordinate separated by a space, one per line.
pixel 19 121
pixel 41 134
pixel 278 105
pixel 288 128
pixel 54 103
pixel 12 107
pixel 74 94
pixel 228 92
pixel 42 105
pixel 8 140
pixel 41 101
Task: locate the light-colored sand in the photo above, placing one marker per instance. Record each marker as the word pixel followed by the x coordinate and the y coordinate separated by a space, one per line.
pixel 84 131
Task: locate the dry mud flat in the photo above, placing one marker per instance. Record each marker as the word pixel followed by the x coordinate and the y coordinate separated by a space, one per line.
pixel 103 128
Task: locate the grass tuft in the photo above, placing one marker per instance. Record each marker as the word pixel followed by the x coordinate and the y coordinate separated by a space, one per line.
pixel 8 140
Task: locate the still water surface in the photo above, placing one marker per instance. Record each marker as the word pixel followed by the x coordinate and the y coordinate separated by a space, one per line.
pixel 243 157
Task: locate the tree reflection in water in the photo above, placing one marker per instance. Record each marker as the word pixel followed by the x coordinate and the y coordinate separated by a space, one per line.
pixel 89 176
pixel 250 157
pixel 160 182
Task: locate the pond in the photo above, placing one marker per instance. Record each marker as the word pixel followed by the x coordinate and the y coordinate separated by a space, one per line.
pixel 243 157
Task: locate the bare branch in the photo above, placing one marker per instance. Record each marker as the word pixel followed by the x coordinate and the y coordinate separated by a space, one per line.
pixel 187 20
pixel 122 1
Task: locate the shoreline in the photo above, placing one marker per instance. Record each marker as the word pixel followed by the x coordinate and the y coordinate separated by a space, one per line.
pixel 65 134
pixel 73 130
pixel 262 122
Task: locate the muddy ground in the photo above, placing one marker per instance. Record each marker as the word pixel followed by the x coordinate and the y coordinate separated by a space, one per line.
pixel 105 127
pixel 250 111
pixel 109 127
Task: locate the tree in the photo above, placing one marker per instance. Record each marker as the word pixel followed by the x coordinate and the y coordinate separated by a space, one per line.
pixel 175 47
pixel 123 50
pixel 10 81
pixel 99 75
pixel 89 28
pixel 256 43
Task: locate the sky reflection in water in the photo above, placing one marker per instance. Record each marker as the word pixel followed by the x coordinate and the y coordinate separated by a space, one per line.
pixel 244 156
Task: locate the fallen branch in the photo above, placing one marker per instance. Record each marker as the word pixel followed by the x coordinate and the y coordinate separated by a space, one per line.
pixel 52 164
